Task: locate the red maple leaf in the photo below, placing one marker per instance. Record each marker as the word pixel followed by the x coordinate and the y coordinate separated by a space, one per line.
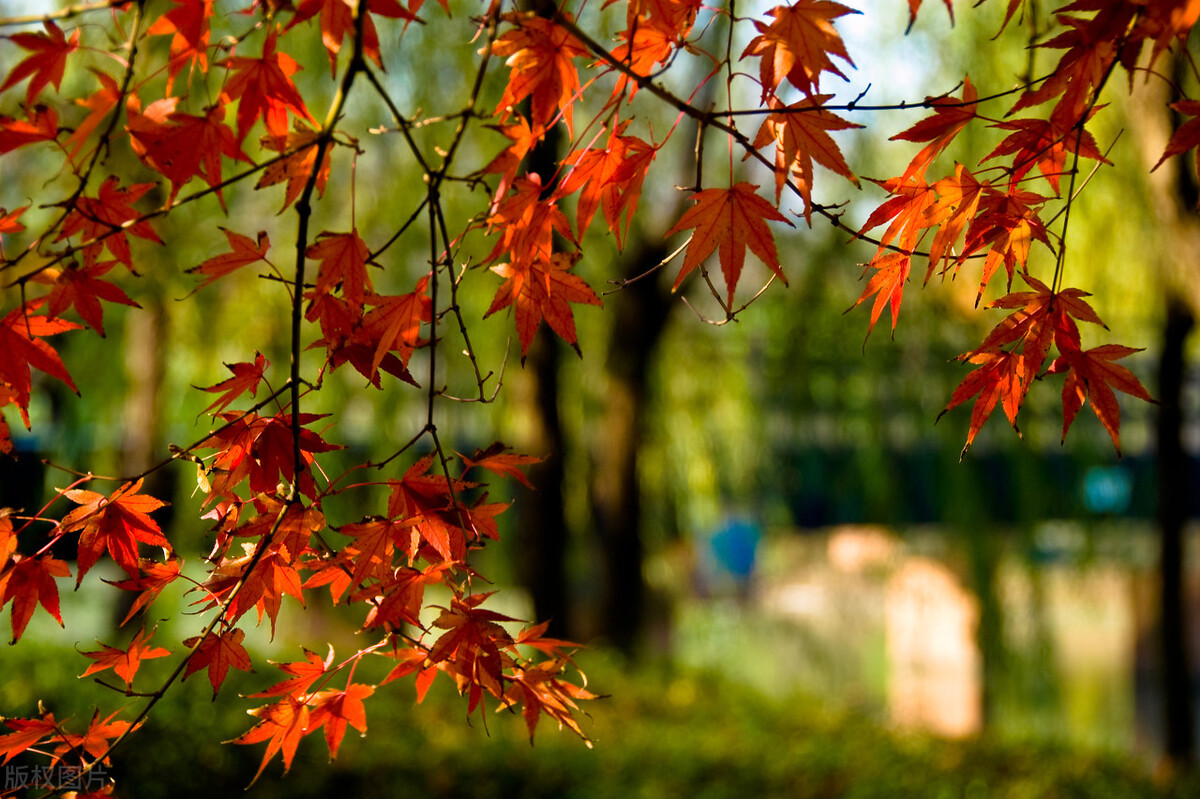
pixel 644 46
pixel 543 290
pixel 42 125
pixel 344 258
pixel 27 733
pixel 999 376
pixel 729 221
pixel 270 577
pixel 82 288
pixel 296 168
pixel 125 662
pixel 395 322
pixel 22 347
pixel 1091 377
pixel 370 553
pixel 218 653
pixel 28 582
pixel 499 460
pixel 1187 135
pixel 1045 143
pixel 9 224
pixel 337 22
pixel 183 146
pixel 104 220
pixel 48 58
pixel 798 45
pixel 263 86
pixel 8 539
pixel 908 210
pixel 1007 224
pixel 116 523
pixel 246 377
pixel 527 223
pixel 472 643
pixel 403 596
pixel 958 199
pixel 508 161
pixel 538 689
pixel 244 251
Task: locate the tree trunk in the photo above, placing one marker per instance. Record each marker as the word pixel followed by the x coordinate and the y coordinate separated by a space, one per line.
pixel 541 515
pixel 1173 496
pixel 639 314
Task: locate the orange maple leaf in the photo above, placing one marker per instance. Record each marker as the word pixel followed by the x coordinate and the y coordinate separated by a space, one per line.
pixel 28 582
pixel 799 134
pixel 42 125
pixel 153 579
pixel 611 178
pixel 95 740
pixel 798 45
pixel 189 31
pixel 542 290
pixel 125 662
pixel 333 710
pixel 729 220
pixel 45 65
pixel 303 674
pixel 540 55
pixel 283 725
pixel 887 285
pixel 116 523
pixel 99 104
pixel 218 653
pixel 27 733
pixel 950 117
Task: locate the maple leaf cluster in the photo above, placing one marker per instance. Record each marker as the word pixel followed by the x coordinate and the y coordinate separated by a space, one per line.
pixel 205 103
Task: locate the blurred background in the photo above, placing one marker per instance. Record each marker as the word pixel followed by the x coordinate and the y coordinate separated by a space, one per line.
pixel 789 582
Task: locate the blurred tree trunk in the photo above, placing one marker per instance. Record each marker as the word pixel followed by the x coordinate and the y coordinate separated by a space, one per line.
pixel 146 346
pixel 639 313
pixel 540 515
pixel 1174 492
pixel 1175 201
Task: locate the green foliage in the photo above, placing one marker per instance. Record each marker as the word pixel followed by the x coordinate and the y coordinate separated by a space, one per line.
pixel 664 733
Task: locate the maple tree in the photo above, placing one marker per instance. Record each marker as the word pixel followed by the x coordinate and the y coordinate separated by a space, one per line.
pixel 182 104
